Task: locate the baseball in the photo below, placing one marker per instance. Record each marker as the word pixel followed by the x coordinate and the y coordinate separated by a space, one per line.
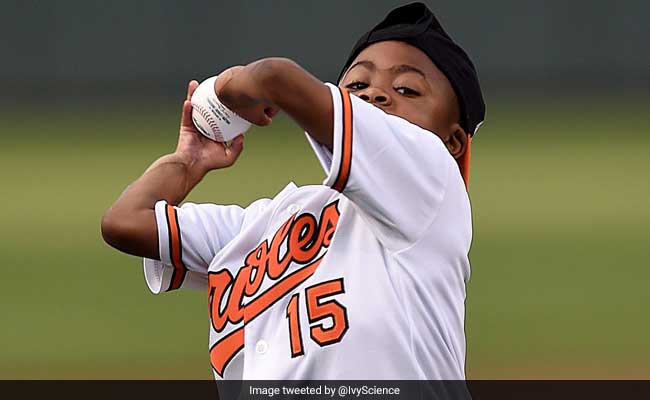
pixel 214 120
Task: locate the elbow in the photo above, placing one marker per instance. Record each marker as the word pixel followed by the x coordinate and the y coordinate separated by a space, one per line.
pixel 132 233
pixel 112 231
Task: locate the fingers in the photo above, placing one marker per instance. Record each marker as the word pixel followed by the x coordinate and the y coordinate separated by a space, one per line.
pixel 186 115
pixel 257 115
pixel 271 111
pixel 239 138
pixel 267 116
pixel 234 150
pixel 191 87
pixel 262 120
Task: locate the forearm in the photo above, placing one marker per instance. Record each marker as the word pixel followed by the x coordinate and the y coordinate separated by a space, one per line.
pixel 283 84
pixel 130 224
pixel 172 177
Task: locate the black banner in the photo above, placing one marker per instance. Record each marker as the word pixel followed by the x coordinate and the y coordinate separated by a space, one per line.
pixel 318 390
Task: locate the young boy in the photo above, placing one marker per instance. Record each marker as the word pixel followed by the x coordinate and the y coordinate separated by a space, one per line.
pixel 361 277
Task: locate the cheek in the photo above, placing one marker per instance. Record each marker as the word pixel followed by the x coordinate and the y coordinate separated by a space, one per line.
pixel 418 118
pixel 425 115
pixel 438 116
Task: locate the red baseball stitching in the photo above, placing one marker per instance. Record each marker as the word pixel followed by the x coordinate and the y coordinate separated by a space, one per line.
pixel 207 116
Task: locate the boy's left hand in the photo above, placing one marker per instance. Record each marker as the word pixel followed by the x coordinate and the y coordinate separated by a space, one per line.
pixel 257 91
pixel 238 90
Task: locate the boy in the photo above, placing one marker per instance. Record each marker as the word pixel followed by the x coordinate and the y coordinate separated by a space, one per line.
pixel 362 277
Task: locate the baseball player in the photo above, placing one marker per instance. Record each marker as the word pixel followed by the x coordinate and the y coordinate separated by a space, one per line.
pixel 360 277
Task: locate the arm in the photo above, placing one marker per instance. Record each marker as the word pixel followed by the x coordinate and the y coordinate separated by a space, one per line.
pixel 255 91
pixel 129 225
pixel 395 171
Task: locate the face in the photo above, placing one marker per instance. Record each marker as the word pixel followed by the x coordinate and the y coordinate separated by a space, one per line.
pixel 402 80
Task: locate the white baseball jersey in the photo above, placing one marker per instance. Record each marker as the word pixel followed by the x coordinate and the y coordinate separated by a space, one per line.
pixel 362 277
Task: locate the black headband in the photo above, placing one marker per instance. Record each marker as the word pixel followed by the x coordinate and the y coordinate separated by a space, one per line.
pixel 416 25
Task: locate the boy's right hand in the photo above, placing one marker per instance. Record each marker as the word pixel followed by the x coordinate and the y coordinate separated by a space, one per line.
pixel 130 224
pixel 201 153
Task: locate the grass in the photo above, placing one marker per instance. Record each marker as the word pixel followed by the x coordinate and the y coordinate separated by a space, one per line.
pixel 559 257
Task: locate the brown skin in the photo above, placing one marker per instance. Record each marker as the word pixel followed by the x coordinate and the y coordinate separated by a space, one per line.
pixel 385 77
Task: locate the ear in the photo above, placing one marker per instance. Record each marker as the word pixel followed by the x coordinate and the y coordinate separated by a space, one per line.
pixel 457 141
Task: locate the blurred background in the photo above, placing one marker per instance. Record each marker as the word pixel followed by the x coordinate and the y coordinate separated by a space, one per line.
pixel 90 95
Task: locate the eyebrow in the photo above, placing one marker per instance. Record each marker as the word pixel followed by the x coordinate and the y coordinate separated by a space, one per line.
pixel 397 69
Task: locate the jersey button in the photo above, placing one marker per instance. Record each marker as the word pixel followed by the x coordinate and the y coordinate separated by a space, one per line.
pixel 261 347
pixel 294 208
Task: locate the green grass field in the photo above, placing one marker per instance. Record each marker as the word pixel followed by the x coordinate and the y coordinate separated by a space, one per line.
pixel 560 257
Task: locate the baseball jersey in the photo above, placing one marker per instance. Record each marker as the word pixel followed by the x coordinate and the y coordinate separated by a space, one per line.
pixel 361 277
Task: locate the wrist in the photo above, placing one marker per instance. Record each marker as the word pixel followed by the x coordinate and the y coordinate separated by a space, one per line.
pixel 194 168
pixel 188 165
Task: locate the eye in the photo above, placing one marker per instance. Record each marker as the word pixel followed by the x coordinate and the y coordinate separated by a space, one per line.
pixel 407 91
pixel 356 85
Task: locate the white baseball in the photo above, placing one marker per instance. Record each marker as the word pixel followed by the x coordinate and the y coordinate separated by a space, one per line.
pixel 214 120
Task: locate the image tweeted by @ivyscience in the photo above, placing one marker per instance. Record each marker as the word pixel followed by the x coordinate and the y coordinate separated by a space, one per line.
pixel 323 390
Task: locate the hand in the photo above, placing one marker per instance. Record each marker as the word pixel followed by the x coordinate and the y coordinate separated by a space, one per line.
pixel 238 90
pixel 198 151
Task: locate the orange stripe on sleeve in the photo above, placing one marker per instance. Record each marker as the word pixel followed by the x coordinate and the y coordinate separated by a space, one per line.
pixel 175 249
pixel 346 143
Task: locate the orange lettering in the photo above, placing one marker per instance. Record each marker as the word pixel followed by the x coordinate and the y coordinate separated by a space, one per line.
pixel 218 282
pixel 304 238
pixel 257 261
pixel 276 267
pixel 301 243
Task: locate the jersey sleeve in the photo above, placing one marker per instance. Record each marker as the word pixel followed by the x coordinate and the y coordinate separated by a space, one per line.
pixel 189 237
pixel 395 172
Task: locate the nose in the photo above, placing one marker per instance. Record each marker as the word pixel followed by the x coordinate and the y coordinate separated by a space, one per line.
pixel 375 95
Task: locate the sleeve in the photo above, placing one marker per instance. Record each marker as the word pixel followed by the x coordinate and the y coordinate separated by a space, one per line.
pixel 189 237
pixel 393 170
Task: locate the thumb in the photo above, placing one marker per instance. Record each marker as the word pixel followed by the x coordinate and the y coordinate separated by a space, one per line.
pixel 235 149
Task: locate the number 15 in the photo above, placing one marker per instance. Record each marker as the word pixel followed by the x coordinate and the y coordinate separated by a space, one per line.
pixel 318 310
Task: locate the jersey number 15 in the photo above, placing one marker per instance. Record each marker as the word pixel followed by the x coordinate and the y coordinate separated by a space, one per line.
pixel 318 310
